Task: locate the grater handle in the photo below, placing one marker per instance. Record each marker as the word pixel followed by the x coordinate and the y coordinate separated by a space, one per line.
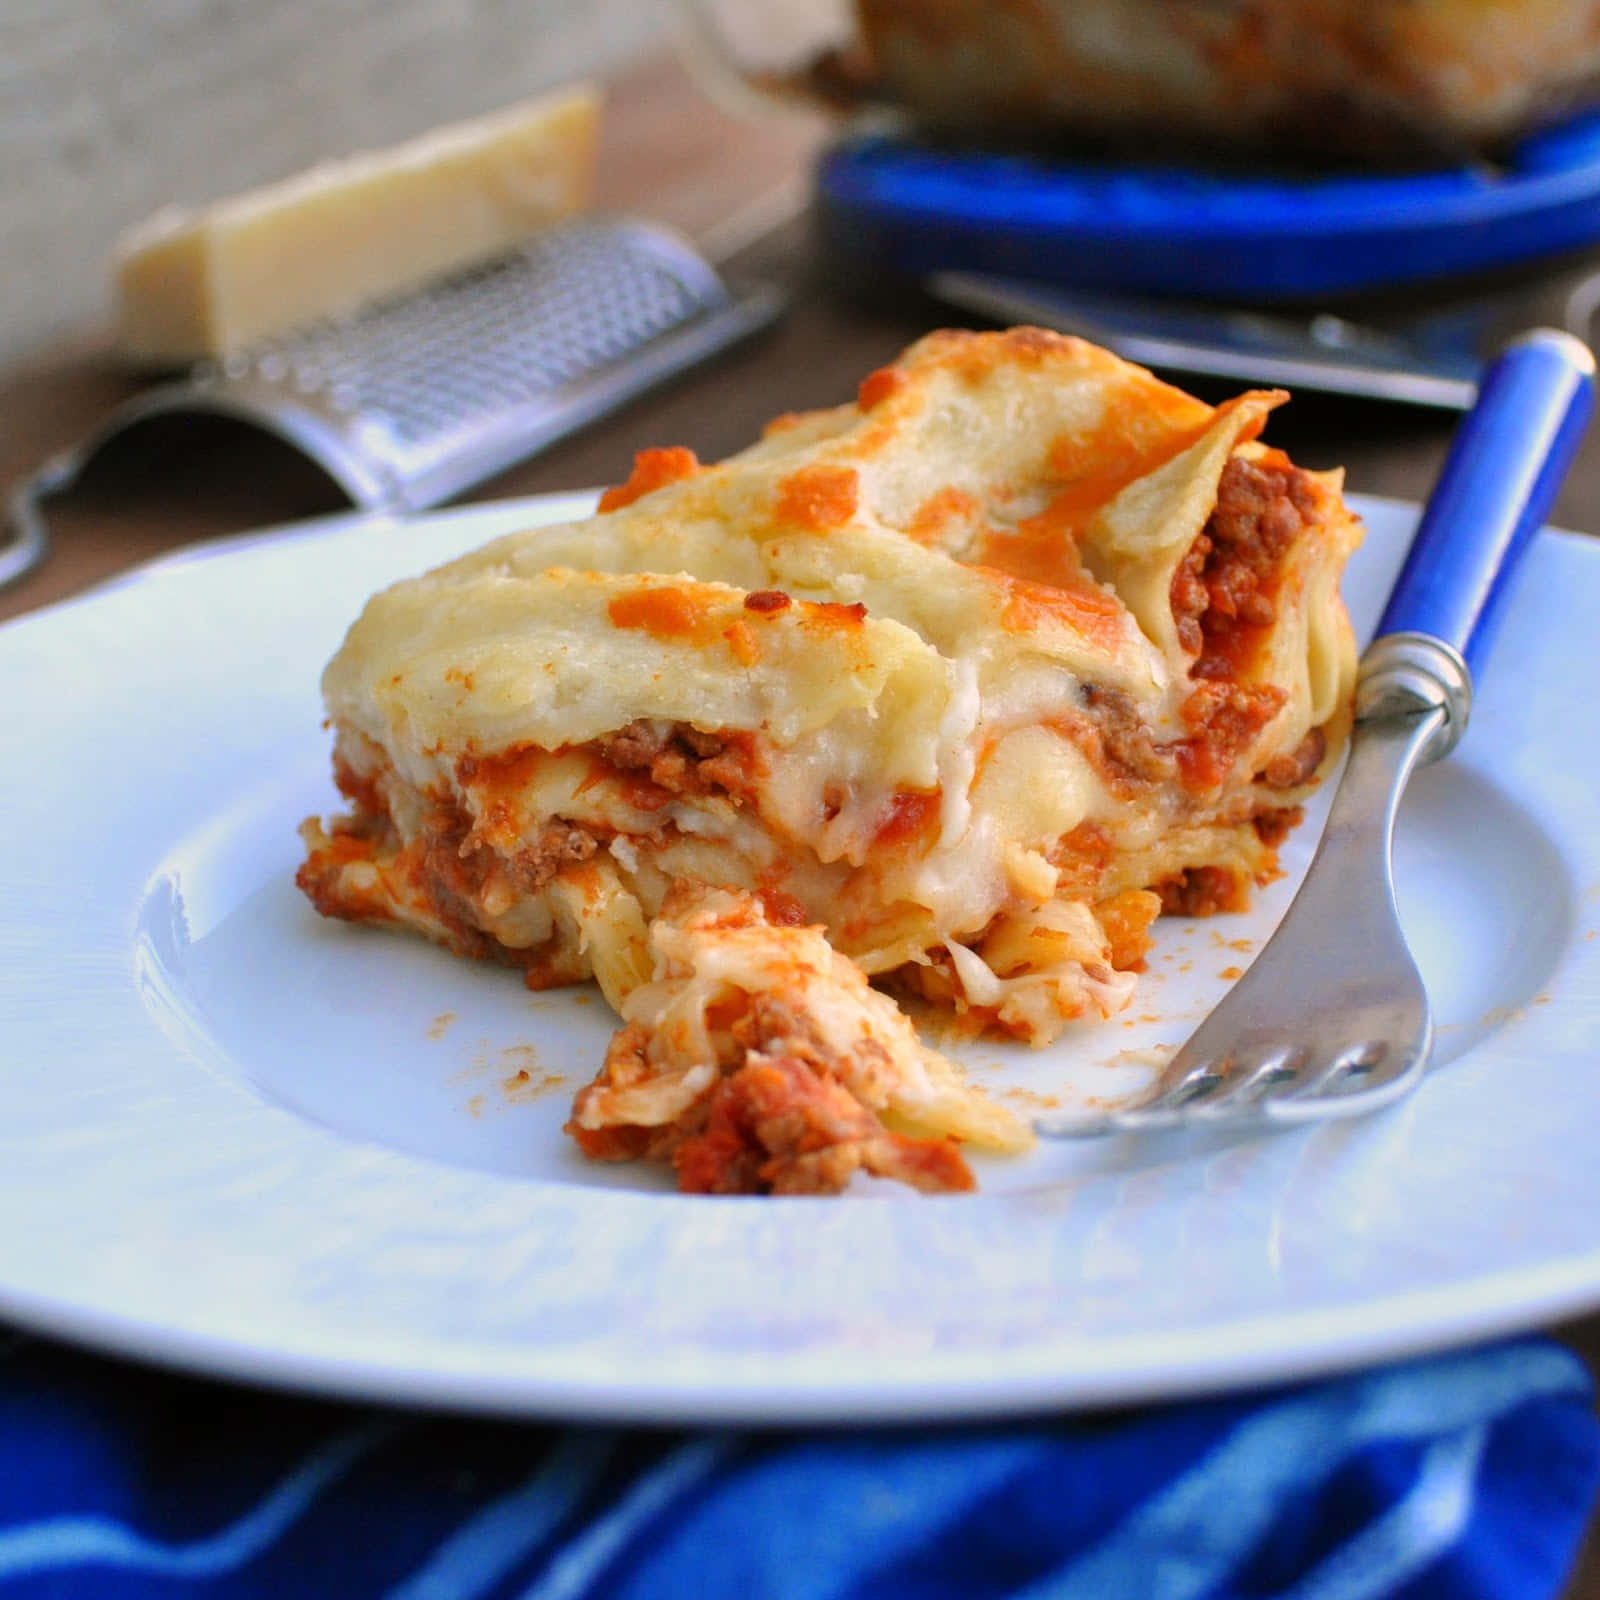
pixel 29 543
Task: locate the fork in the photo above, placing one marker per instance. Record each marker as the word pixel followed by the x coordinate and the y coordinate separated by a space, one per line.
pixel 1332 1018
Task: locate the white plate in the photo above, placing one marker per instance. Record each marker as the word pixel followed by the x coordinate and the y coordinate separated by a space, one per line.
pixel 239 1138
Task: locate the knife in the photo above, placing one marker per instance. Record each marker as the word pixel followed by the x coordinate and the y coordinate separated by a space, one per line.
pixel 1319 352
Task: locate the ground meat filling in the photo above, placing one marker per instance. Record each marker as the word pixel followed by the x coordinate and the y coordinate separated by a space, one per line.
pixel 453 869
pixel 1223 599
pixel 1129 754
pixel 777 1125
pixel 1226 717
pixel 1273 827
pixel 1203 891
pixel 560 844
pixel 1299 766
pixel 681 759
pixel 464 877
pixel 362 791
pixel 466 870
pixel 778 1119
pixel 1223 591
pixel 449 865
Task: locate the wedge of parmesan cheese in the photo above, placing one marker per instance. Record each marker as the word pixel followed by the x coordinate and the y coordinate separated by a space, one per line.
pixel 209 282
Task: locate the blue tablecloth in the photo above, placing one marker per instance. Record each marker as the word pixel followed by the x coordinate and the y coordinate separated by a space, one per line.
pixel 1467 1475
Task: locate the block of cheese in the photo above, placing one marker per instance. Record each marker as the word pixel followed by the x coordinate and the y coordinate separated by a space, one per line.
pixel 208 282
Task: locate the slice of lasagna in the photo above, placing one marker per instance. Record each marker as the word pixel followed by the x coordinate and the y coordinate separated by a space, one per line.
pixel 954 688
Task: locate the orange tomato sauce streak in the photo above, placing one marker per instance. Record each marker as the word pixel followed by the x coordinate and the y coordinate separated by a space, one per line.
pixel 664 613
pixel 502 775
pixel 676 613
pixel 1081 605
pixel 879 386
pixel 652 470
pixel 909 813
pixel 935 513
pixel 1125 920
pixel 818 498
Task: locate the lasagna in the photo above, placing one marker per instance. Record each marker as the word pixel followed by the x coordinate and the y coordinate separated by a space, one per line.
pixel 1398 81
pixel 934 700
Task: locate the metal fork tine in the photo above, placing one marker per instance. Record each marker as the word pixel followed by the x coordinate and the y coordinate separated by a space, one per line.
pixel 1323 1096
pixel 1195 1084
pixel 1274 1072
pixel 1361 1067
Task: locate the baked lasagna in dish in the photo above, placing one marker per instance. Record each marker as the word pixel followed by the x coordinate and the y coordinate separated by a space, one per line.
pixel 1404 82
pixel 953 689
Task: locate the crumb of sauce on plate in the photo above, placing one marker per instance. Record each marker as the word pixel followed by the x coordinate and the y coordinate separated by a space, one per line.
pixel 524 1085
pixel 514 1072
pixel 1032 1099
pixel 518 1074
pixel 1154 1058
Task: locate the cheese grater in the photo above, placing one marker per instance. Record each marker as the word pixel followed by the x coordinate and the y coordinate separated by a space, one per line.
pixel 418 398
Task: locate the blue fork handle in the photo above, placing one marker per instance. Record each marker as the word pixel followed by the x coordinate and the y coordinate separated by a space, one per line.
pixel 1495 491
